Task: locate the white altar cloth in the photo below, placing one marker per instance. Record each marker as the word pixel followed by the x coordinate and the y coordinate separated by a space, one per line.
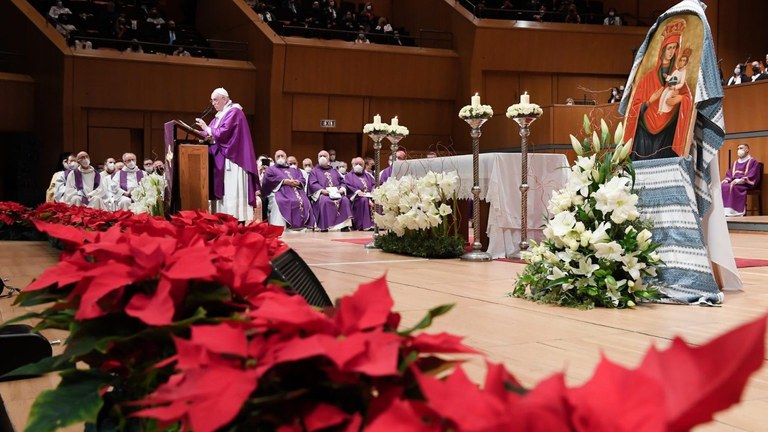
pixel 499 176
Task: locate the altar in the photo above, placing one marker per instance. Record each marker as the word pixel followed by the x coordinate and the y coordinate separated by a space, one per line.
pixel 499 176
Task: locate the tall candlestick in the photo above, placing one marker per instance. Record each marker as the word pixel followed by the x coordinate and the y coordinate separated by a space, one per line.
pixel 525 98
pixel 394 121
pixel 377 119
pixel 476 100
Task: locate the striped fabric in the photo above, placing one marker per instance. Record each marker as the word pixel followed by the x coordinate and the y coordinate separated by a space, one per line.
pixel 668 197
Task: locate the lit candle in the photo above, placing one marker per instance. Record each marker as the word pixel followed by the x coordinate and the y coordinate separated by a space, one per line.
pixel 525 98
pixel 394 121
pixel 476 100
pixel 377 119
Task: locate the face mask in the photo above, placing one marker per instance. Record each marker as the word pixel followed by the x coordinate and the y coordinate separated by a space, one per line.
pixel 85 163
pixel 322 160
pixel 281 161
pixel 149 169
pixel 737 71
pixel 111 166
pixel 159 170
pixel 741 153
pixel 755 69
pixel 342 171
pixel 369 7
pixel 307 169
pixel 611 14
pixel 358 168
pixel 131 165
pixel 292 165
pixel 333 158
pixel 72 165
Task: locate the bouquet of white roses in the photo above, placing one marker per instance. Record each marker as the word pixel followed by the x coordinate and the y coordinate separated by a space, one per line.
pixel 524 110
pixel 148 196
pixel 476 111
pixel 398 130
pixel 377 128
pixel 417 212
pixel 597 249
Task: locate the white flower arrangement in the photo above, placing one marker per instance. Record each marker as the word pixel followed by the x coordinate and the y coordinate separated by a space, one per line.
pixel 148 196
pixel 376 128
pixel 597 250
pixel 476 112
pixel 398 130
pixel 415 204
pixel 524 110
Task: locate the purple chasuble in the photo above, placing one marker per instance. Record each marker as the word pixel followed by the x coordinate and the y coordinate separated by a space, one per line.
pixel 124 178
pixel 735 195
pixel 232 140
pixel 328 212
pixel 292 201
pixel 79 184
pixel 362 213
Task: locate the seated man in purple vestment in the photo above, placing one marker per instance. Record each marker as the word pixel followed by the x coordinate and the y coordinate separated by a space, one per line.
pixel 742 176
pixel 360 184
pixel 235 188
pixel 286 199
pixel 125 181
pixel 387 172
pixel 329 196
pixel 85 186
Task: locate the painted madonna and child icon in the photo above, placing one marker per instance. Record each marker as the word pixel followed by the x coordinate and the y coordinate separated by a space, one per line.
pixel 673 111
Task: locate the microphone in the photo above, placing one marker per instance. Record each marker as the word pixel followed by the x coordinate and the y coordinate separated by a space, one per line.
pixel 206 111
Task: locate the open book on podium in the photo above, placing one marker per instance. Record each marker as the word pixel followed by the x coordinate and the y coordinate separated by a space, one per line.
pixel 187 175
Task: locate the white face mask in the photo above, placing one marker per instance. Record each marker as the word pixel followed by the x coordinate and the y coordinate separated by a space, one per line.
pixel 149 169
pixel 342 171
pixel 131 165
pixel 111 166
pixel 358 168
pixel 307 169
pixel 85 163
pixel 741 153
pixel 322 160
pixel 292 165
pixel 281 161
pixel 72 165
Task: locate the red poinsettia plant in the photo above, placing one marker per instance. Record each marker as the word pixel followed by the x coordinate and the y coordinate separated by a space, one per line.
pixel 15 223
pixel 78 216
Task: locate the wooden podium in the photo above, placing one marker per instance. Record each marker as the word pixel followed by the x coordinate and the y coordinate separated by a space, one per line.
pixel 187 175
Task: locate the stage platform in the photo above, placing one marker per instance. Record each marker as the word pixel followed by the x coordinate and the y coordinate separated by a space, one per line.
pixel 748 223
pixel 532 340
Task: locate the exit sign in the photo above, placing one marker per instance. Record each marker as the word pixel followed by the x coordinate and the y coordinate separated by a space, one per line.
pixel 327 123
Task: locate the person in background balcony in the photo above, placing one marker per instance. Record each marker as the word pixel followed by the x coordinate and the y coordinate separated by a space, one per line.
pixel 58 10
pixel 612 19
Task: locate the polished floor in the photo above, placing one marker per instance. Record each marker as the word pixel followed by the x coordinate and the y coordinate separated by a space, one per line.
pixel 532 340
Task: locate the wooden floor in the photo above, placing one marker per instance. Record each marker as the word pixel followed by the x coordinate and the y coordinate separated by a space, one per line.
pixel 534 341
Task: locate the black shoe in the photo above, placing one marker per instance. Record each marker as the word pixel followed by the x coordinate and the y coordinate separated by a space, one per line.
pixel 325 230
pixel 345 229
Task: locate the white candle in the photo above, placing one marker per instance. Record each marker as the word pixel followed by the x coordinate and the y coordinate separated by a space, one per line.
pixel 377 119
pixel 394 121
pixel 476 100
pixel 525 98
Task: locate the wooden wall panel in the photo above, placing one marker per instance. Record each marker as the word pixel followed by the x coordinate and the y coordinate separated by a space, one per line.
pixel 307 112
pixel 18 115
pixel 573 86
pixel 114 118
pixel 742 105
pixel 348 113
pixel 110 142
pixel 421 117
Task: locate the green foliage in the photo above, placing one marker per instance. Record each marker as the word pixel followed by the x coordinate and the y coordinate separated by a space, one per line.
pixel 421 244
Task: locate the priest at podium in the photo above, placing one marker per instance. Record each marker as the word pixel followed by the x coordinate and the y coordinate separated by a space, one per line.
pixel 235 172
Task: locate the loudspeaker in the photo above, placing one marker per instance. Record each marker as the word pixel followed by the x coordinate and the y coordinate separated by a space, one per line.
pixel 291 269
pixel 21 346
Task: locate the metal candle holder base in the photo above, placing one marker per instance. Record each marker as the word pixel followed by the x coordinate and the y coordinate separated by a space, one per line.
pixel 376 137
pixel 476 254
pixel 524 123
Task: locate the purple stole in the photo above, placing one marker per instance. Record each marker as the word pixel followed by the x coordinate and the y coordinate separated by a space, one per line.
pixel 79 183
pixel 124 178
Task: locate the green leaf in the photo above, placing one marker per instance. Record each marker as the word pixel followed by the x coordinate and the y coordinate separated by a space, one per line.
pixel 44 366
pixel 427 320
pixel 75 400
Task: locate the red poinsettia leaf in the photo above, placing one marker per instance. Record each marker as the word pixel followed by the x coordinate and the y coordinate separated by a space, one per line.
pixel 378 356
pixel 191 263
pixel 190 355
pixel 440 343
pixel 367 308
pixel 222 338
pixel 355 424
pixel 615 389
pixel 167 413
pixel 230 391
pixel 543 409
pixel 498 382
pixel 284 311
pixel 53 276
pixel 400 416
pixel 155 309
pixel 97 283
pixel 68 234
pixel 699 382
pixel 302 348
pixel 323 416
pixel 459 400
